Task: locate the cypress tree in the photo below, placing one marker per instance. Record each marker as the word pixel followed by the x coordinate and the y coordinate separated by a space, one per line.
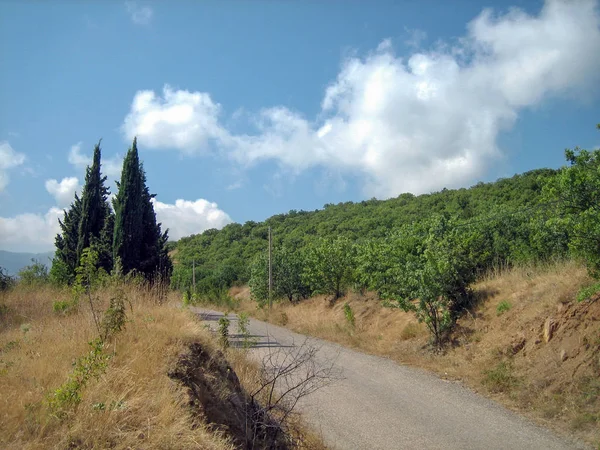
pixel 128 231
pixel 96 219
pixel 65 258
pixel 138 239
pixel 154 254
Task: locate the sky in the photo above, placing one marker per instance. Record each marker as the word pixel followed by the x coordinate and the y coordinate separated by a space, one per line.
pixel 245 109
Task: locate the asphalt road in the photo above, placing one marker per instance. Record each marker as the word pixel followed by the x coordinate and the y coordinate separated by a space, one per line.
pixel 375 403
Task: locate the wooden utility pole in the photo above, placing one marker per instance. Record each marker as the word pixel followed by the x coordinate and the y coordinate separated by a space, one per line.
pixel 194 275
pixel 270 271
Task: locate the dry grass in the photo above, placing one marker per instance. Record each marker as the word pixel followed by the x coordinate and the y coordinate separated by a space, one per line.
pixel 497 351
pixel 134 404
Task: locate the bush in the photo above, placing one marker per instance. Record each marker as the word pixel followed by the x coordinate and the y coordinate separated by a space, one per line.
pixel 588 292
pixel 34 274
pixel 502 307
pixel 6 281
pixel 224 331
pixel 500 378
pixel 349 314
pixel 65 306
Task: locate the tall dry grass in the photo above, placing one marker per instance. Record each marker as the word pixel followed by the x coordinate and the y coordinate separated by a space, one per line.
pixel 134 404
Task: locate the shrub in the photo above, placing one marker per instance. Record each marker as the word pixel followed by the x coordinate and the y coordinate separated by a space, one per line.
pixel 34 274
pixel 114 317
pixel 224 331
pixel 65 306
pixel 6 281
pixel 502 307
pixel 588 292
pixel 349 314
pixel 89 366
pixel 500 378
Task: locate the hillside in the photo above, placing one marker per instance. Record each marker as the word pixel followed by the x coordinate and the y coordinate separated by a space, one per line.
pixel 499 347
pixel 224 255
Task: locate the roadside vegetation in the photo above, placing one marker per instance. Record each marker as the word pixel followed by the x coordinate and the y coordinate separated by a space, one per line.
pixel 417 274
pixel 98 352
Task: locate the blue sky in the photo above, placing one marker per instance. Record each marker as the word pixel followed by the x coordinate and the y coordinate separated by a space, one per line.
pixel 251 108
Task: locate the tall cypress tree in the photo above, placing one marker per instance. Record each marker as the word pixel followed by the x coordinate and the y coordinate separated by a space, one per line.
pixel 65 258
pixel 155 260
pixel 128 231
pixel 138 240
pixel 95 220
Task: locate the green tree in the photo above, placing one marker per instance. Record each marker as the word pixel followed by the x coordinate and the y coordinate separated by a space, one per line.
pixel 431 276
pixel 129 213
pixel 65 257
pixel 154 254
pixel 138 240
pixel 329 264
pixel 96 221
pixel 577 190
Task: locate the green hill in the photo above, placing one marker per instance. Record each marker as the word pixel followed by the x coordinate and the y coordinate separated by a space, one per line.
pixel 225 255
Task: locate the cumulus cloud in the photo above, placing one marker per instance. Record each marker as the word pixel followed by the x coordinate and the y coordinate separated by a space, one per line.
pixel 416 123
pixel 9 159
pixel 184 120
pixel 110 166
pixel 30 232
pixel 140 15
pixel 189 217
pixel 63 191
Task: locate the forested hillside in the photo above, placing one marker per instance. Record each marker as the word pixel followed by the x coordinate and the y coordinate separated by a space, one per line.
pixel 224 255
pixel 418 253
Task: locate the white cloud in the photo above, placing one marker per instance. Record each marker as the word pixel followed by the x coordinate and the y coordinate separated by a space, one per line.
pixel 180 119
pixel 419 123
pixel 30 232
pixel 189 217
pixel 110 167
pixel 140 15
pixel 9 159
pixel 63 191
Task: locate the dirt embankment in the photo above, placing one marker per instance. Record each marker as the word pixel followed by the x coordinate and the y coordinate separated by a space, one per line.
pixel 217 396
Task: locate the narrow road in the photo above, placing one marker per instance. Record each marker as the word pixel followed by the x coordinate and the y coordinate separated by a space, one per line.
pixel 379 404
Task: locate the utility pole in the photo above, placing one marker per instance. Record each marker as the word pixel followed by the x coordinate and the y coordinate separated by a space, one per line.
pixel 270 272
pixel 194 275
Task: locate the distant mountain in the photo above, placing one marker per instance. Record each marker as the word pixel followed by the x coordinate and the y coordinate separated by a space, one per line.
pixel 12 262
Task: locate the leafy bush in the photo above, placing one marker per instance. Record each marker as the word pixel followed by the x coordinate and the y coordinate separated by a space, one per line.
pixel 34 274
pixel 588 292
pixel 115 316
pixel 502 307
pixel 65 306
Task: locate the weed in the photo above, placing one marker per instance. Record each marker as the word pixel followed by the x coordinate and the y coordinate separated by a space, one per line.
pixel 588 292
pixel 89 366
pixel 115 317
pixel 10 345
pixel 243 322
pixel 502 307
pixel 224 331
pixel 65 306
pixel 500 378
pixel 410 331
pixel 284 319
pixel 25 327
pixel 349 314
